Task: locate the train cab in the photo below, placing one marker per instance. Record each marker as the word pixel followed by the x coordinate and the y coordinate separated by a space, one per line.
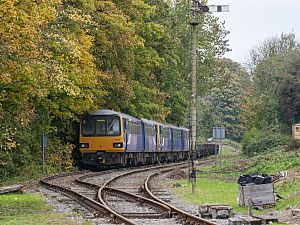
pixel 101 132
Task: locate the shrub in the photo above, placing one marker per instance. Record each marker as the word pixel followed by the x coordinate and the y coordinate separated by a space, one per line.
pixel 257 141
pixel 275 161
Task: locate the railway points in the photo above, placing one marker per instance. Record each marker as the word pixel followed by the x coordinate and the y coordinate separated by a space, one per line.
pixel 123 195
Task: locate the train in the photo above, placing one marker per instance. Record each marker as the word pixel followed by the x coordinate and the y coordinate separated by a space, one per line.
pixel 110 138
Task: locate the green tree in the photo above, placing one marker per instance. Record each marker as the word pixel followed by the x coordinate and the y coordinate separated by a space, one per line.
pixel 272 101
pixel 222 106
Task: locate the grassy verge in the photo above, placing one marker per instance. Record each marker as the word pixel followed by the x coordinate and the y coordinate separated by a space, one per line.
pixel 218 184
pixel 20 209
pixel 31 172
pixel 209 191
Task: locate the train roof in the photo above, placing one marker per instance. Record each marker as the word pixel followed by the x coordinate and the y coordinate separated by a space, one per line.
pixel 184 128
pixel 151 122
pixel 130 118
pixel 108 112
pixel 104 112
pixel 175 127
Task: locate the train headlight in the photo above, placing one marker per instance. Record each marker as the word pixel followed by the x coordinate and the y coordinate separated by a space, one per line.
pixel 118 145
pixel 84 145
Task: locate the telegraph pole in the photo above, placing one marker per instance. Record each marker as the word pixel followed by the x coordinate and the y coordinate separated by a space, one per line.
pixel 196 9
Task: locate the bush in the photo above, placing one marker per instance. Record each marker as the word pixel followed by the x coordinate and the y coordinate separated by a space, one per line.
pixel 275 161
pixel 257 141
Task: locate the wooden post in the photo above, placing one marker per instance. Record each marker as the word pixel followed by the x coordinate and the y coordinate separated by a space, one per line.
pixel 250 205
pixel 194 100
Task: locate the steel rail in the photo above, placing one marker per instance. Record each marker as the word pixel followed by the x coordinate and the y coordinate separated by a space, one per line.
pixel 104 189
pixel 137 198
pixel 101 192
pixel 87 202
pixel 182 215
pixel 102 206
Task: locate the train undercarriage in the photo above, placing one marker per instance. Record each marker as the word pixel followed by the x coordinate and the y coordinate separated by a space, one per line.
pixel 105 159
pixel 102 158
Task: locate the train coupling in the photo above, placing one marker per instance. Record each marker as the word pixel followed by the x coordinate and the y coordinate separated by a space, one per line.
pixel 100 158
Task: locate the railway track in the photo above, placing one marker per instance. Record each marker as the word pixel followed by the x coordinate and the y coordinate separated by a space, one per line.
pixel 123 196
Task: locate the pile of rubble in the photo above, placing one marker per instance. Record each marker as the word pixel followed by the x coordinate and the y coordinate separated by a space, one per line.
pixel 177 175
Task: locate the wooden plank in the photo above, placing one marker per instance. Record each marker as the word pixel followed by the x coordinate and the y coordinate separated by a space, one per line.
pixel 249 220
pixel 235 221
pixel 262 194
pixel 258 188
pixel 241 196
pixel 264 200
pixel 267 219
pixel 11 188
pixel 257 194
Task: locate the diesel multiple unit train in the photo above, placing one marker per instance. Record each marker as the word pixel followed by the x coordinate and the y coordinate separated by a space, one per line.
pixel 111 138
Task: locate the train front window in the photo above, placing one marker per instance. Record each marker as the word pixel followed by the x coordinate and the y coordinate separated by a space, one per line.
pixel 112 126
pixel 88 127
pixel 101 126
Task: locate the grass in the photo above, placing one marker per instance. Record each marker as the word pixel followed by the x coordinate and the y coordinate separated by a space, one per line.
pixel 289 189
pixel 274 161
pixel 31 209
pixel 209 191
pixel 31 172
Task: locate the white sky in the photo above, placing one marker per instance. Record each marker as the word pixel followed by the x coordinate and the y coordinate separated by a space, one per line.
pixel 250 22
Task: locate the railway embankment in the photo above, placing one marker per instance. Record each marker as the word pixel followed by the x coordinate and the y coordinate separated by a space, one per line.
pixel 217 184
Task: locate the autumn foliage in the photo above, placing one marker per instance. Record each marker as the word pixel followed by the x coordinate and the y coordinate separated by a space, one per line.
pixel 61 59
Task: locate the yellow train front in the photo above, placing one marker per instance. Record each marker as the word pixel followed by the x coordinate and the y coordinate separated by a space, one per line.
pixel 102 138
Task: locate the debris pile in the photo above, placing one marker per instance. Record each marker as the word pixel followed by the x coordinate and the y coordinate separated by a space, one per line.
pixel 215 211
pixel 178 175
pixel 254 179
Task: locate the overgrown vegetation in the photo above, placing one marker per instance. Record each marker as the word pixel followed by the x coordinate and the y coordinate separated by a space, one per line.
pixel 271 105
pixel 222 106
pixel 258 104
pixel 214 181
pixel 257 142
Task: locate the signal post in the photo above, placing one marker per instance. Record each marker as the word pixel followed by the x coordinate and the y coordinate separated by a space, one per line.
pixel 196 9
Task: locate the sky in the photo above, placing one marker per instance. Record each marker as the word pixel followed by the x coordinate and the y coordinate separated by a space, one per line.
pixel 251 22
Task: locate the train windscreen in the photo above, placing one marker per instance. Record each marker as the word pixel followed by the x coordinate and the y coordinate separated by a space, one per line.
pixel 101 126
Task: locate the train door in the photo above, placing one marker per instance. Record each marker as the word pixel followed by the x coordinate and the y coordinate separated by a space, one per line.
pixel 182 140
pixel 171 139
pixel 143 136
pixel 161 137
pixel 125 135
pixel 157 138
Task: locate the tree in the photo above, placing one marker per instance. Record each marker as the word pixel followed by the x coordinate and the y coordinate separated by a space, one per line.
pixel 273 100
pixel 222 106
